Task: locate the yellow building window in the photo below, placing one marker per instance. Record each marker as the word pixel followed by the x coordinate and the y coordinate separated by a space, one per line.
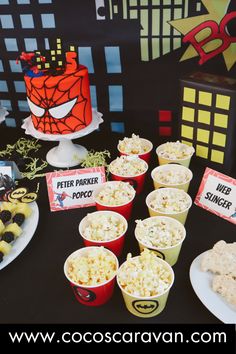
pixel 219 139
pixel 187 132
pixel 222 101
pixel 205 98
pixel 203 135
pixel 204 116
pixel 217 156
pixel 221 120
pixel 188 114
pixel 202 151
pixel 47 65
pixel 189 94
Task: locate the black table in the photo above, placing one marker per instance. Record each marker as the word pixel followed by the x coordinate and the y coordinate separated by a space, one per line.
pixel 35 290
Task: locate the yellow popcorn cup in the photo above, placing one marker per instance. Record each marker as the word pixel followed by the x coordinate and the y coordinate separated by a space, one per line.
pixel 146 307
pixel 163 160
pixel 174 167
pixel 169 254
pixel 181 216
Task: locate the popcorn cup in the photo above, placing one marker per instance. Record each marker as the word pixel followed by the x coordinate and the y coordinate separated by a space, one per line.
pixel 163 160
pixel 146 307
pixel 123 209
pixel 180 216
pixel 96 295
pixel 144 156
pixel 136 181
pixel 157 184
pixel 115 245
pixel 169 254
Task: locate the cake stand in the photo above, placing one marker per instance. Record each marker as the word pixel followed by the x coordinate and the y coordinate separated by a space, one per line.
pixel 3 114
pixel 66 154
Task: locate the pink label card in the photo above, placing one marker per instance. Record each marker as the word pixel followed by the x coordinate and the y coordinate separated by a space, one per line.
pixel 217 194
pixel 73 188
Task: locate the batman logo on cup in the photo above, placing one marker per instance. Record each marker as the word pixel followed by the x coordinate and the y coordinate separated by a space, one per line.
pixel 145 307
pixel 84 294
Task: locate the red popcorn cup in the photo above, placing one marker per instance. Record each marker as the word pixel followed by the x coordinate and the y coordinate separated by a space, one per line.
pixel 95 295
pixel 144 156
pixel 124 209
pixel 116 244
pixel 136 181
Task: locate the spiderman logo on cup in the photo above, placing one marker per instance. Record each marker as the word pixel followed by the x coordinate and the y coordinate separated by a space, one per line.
pixel 84 294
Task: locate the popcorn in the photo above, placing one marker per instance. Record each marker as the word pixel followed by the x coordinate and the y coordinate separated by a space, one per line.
pixel 175 151
pixel 145 275
pixel 170 200
pixel 103 226
pixel 95 267
pixel 172 174
pixel 115 193
pixel 127 166
pixel 134 145
pixel 159 232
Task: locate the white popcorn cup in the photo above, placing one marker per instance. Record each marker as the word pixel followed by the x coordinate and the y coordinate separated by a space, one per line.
pixel 157 184
pixel 170 254
pixel 150 306
pixel 180 216
pixel 145 155
pixel 92 295
pixel 163 160
pixel 115 245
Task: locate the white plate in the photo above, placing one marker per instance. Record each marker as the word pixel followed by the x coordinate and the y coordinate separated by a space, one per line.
pixel 215 303
pixel 29 226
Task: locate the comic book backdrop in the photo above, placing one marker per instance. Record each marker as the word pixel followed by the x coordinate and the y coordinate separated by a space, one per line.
pixel 136 52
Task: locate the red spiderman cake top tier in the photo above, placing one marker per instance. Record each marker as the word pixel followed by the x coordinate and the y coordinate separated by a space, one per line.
pixel 59 101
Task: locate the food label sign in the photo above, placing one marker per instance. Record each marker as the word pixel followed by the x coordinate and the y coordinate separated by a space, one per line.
pixel 217 194
pixel 73 188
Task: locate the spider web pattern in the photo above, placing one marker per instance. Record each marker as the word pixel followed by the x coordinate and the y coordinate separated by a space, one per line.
pixel 52 91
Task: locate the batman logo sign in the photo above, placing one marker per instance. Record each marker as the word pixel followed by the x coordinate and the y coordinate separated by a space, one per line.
pixel 29 197
pixel 145 307
pixel 18 193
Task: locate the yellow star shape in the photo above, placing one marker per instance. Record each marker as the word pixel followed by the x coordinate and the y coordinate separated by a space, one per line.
pixel 216 11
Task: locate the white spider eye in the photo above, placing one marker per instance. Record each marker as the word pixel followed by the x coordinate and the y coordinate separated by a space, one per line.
pixel 62 110
pixel 36 110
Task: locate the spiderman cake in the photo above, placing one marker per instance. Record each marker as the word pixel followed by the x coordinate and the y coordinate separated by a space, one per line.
pixel 58 95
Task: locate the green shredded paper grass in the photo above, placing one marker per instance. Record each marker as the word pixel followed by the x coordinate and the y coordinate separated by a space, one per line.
pixel 24 147
pixel 96 159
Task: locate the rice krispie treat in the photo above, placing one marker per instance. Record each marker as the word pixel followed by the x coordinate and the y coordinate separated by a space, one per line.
pixel 159 232
pixel 225 286
pixel 175 151
pixel 103 227
pixel 134 145
pixel 95 267
pixel 128 166
pixel 221 259
pixel 170 200
pixel 115 193
pixel 145 275
pixel 172 175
